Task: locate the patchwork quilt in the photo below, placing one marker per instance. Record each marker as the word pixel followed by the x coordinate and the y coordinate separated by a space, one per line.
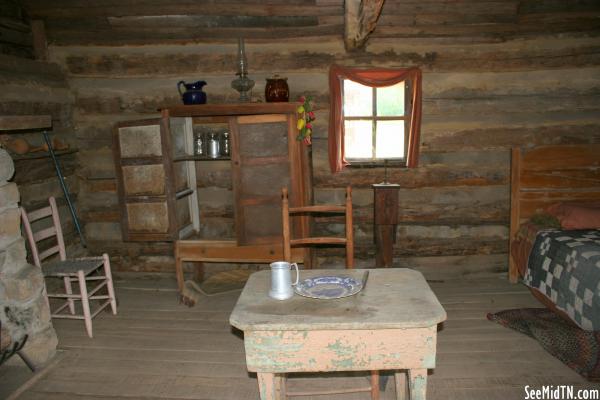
pixel 565 266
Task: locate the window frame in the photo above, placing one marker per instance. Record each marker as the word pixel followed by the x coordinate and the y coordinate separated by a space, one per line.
pixel 372 76
pixel 406 117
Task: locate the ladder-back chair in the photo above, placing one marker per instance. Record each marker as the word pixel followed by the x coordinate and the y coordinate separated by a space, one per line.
pixel 345 209
pixel 347 241
pixel 78 270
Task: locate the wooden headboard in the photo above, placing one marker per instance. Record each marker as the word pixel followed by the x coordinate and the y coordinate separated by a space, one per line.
pixel 545 175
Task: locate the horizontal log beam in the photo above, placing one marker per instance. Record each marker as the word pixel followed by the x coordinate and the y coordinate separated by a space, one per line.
pixel 39 170
pixel 181 21
pixel 20 69
pixel 419 247
pixel 60 112
pixel 14 24
pixel 454 17
pixel 455 6
pixel 414 178
pixel 75 10
pixel 114 247
pixel 433 59
pixel 138 36
pixel 556 6
pixel 526 136
pixel 100 215
pixel 503 30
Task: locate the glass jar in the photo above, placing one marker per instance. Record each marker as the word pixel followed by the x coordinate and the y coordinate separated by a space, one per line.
pixel 213 146
pixel 225 145
pixel 199 145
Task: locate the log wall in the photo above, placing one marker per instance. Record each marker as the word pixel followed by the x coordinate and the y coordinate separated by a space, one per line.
pixel 496 74
pixel 15 30
pixel 31 87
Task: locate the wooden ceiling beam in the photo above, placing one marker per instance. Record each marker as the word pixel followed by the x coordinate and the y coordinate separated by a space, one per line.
pixel 360 20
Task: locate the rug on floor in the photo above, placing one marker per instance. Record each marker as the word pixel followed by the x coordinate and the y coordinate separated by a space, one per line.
pixel 578 349
pixel 219 283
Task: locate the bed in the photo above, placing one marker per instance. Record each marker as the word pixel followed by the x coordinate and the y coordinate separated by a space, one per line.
pixel 561 267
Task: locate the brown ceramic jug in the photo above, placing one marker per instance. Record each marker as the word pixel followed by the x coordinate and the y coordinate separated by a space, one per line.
pixel 277 89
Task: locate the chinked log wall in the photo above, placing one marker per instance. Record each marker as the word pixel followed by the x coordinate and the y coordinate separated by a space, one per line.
pixel 35 87
pixel 496 74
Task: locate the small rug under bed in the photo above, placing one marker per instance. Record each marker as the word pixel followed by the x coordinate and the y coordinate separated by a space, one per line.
pixel 578 349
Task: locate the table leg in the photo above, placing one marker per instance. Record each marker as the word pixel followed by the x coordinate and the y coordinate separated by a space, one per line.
pixel 374 385
pixel 271 386
pixel 179 273
pixel 400 378
pixel 418 383
pixel 280 383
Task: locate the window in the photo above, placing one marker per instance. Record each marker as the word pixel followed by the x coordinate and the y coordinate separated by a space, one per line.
pixel 374 122
pixel 375 115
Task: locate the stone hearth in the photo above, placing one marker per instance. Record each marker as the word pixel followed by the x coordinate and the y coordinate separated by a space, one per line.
pixel 23 307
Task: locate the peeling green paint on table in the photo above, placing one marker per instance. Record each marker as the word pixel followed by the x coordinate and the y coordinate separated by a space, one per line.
pixel 390 325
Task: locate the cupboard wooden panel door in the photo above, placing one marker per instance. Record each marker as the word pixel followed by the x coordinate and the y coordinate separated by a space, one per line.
pixel 157 193
pixel 261 167
pixel 181 140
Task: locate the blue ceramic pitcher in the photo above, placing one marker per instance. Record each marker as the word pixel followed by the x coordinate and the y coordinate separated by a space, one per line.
pixel 193 93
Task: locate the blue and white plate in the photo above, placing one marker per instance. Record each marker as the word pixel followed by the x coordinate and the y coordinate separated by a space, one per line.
pixel 328 287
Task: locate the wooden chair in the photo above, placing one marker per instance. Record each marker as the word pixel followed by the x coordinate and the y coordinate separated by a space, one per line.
pixel 347 241
pixel 79 270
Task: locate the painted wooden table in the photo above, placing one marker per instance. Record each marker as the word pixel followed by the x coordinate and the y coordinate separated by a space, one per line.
pixel 390 325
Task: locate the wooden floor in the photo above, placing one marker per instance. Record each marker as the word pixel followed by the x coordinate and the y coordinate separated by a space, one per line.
pixel 156 348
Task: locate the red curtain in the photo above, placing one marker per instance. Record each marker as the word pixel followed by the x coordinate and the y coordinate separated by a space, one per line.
pixel 375 77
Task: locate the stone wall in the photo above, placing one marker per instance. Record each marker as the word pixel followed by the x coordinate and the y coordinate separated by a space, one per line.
pixel 29 87
pixel 23 306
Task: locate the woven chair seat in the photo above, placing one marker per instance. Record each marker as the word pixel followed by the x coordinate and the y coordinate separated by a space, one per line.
pixel 72 270
pixel 72 266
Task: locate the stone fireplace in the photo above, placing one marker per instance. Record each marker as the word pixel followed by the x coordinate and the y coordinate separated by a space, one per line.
pixel 23 307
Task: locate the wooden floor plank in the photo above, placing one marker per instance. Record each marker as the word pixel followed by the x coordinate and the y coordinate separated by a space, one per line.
pixel 145 355
pixel 145 324
pixel 531 357
pixel 158 349
pixel 84 363
pixel 199 342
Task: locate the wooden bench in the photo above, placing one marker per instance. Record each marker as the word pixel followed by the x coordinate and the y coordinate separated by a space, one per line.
pixel 225 251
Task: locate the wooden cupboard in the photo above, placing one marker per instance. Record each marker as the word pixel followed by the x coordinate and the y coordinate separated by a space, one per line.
pixel 155 167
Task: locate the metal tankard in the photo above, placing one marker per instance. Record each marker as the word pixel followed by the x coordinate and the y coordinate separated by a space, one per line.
pixel 281 280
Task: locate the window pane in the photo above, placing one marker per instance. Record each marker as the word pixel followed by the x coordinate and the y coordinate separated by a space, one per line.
pixel 358 99
pixel 390 139
pixel 390 100
pixel 358 139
